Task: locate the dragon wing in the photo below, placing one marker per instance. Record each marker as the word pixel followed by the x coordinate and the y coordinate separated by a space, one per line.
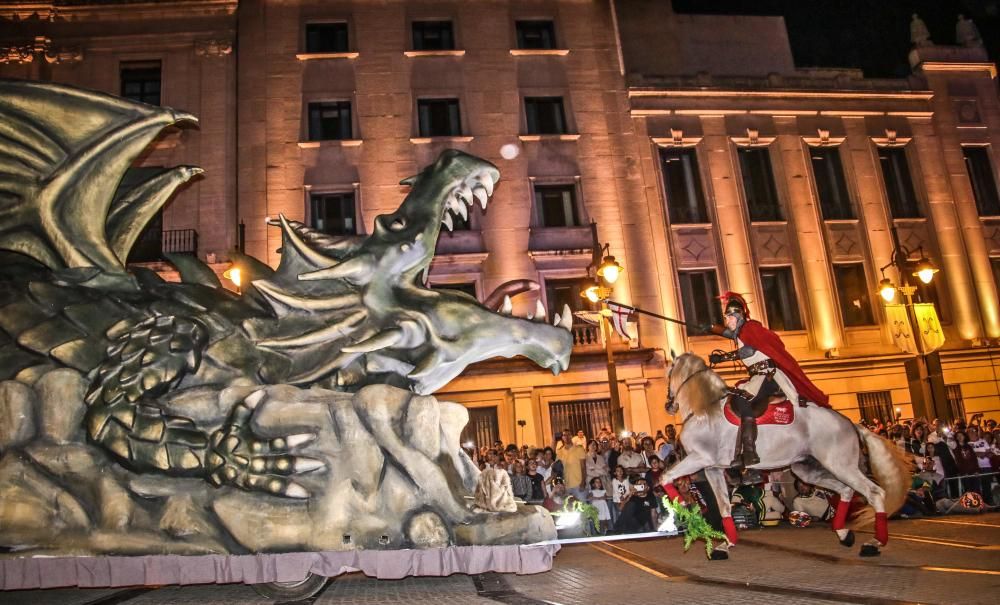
pixel 63 152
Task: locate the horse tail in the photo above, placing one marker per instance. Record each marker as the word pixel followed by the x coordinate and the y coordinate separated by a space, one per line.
pixel 890 466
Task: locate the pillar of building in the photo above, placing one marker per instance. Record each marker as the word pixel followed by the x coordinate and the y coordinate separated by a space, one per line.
pixel 733 227
pixel 524 409
pixel 638 405
pixel 947 226
pixel 807 225
pixel 859 152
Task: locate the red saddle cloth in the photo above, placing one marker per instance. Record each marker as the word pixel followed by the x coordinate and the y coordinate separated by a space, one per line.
pixel 777 413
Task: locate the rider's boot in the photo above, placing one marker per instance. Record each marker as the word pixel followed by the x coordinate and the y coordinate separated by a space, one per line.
pixel 748 428
pixel 738 456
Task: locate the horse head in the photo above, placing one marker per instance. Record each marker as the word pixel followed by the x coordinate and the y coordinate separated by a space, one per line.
pixel 692 386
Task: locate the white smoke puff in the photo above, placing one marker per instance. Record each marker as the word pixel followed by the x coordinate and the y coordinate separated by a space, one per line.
pixel 510 151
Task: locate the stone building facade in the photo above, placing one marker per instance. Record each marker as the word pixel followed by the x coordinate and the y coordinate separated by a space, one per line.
pixel 707 159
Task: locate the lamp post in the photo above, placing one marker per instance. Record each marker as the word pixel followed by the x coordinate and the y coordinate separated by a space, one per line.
pixel 605 271
pixel 925 399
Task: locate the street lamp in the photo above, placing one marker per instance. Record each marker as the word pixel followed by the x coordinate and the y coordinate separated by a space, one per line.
pixel 605 271
pixel 924 271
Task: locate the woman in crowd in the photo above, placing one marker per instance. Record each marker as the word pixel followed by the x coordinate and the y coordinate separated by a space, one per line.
pixel 595 465
pixel 917 444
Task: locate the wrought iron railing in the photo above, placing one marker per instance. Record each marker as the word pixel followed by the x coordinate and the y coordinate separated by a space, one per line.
pixel 152 244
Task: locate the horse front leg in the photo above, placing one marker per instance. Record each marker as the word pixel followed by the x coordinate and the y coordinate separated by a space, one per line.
pixel 717 479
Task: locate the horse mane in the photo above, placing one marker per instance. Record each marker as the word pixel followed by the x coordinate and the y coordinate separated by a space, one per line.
pixel 702 390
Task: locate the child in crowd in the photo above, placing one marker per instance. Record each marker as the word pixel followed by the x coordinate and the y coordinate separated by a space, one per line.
pixel 620 487
pixel 599 498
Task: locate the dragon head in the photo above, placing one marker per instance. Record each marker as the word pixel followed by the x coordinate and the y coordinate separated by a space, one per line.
pixel 350 313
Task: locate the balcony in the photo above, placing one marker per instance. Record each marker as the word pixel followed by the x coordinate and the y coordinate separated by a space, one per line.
pixel 587 339
pixel 153 244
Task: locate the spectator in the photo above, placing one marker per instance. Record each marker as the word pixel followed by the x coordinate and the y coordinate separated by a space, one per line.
pixel 573 457
pixel 983 449
pixel 631 460
pixel 620 486
pixel 648 450
pixel 599 498
pixel 655 470
pixel 918 441
pixel 520 484
pixel 812 501
pixel 966 460
pixel 545 463
pixel 580 439
pixel 537 482
pixel 669 443
pixel 637 510
pixel 556 496
pixel 918 502
pixel 595 464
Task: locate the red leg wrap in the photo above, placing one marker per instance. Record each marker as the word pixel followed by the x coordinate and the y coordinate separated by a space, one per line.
pixel 840 519
pixel 671 491
pixel 730 528
pixel 882 528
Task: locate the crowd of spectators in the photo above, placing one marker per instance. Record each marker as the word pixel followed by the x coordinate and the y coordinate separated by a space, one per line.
pixel 956 469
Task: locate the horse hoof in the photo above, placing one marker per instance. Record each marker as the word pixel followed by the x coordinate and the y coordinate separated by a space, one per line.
pixel 869 550
pixel 848 541
pixel 718 555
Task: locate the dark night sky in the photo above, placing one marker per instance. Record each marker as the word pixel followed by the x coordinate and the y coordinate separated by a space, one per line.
pixel 871 34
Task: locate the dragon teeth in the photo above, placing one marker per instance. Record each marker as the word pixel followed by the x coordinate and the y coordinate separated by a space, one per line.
pixel 507 307
pixel 480 192
pixel 446 219
pixel 488 184
pixel 540 310
pixel 463 211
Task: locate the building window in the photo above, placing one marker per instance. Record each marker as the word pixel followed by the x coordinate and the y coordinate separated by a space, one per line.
pixel 333 213
pixel 555 206
pixel 852 289
pixel 330 121
pixel 559 292
pixel 482 429
pixel 831 186
pixel 682 184
pixel 589 416
pixel 758 184
pixel 433 35
pixel 996 272
pixel 876 406
pixel 545 115
pixel 984 186
pixel 466 288
pixel 439 118
pixel 955 402
pixel 780 301
pixel 326 38
pixel 700 297
pixel 536 34
pixel 898 184
pixel 140 81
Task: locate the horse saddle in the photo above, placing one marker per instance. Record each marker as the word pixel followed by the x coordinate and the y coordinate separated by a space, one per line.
pixel 777 411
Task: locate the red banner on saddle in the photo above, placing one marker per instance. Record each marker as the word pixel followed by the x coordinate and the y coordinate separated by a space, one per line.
pixel 777 413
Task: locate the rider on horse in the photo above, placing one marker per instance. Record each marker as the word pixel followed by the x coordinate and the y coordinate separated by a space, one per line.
pixel 772 370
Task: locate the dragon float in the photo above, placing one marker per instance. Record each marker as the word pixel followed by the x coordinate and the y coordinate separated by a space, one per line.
pixel 155 416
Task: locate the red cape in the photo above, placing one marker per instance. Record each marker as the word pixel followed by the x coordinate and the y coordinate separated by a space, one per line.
pixel 754 333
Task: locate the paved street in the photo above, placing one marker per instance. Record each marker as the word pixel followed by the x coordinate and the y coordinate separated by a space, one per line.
pixel 940 560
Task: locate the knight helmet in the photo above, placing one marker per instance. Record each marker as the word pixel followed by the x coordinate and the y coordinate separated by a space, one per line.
pixel 735 303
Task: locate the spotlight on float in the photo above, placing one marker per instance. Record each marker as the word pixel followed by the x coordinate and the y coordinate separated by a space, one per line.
pixel 925 270
pixel 233 275
pixel 609 270
pixel 887 290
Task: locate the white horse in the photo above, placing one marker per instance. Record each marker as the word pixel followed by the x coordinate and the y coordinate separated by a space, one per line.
pixel 820 445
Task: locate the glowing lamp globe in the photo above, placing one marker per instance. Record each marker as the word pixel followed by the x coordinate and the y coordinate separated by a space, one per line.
pixel 610 270
pixel 925 270
pixel 887 290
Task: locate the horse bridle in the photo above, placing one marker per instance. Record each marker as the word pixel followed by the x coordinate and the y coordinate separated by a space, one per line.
pixel 670 395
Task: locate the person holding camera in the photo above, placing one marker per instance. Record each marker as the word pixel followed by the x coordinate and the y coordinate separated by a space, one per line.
pixel 637 510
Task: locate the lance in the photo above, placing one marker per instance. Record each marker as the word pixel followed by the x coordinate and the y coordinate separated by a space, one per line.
pixel 644 312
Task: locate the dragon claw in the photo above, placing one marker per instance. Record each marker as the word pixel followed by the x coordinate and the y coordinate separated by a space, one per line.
pixel 240 458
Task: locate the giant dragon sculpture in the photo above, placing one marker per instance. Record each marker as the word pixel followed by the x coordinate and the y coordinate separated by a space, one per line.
pixel 270 395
